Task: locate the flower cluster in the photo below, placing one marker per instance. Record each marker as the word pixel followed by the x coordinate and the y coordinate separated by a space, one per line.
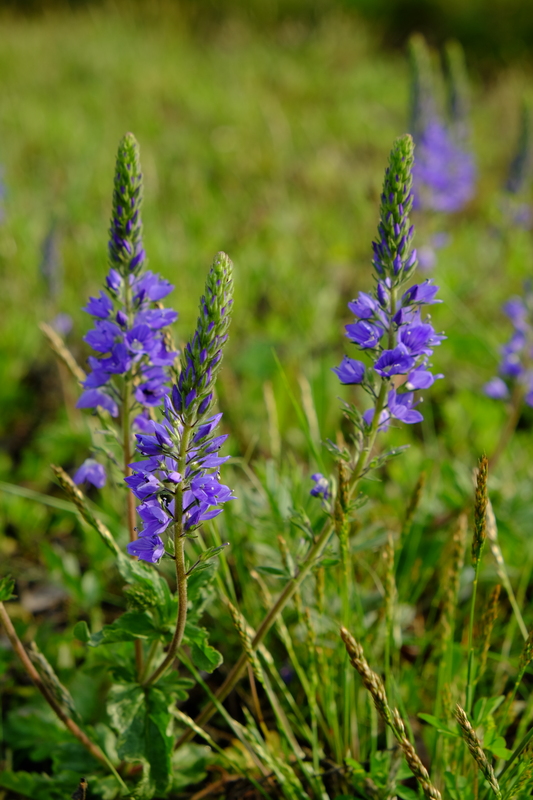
pixel 129 337
pixel 390 326
pixel 131 370
pixel 516 366
pixel 177 481
pixel 444 173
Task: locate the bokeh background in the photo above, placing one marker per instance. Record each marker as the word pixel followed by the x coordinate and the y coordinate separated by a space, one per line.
pixel 264 130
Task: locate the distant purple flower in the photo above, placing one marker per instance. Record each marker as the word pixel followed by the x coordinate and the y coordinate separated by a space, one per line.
pixel 62 323
pixel 91 472
pixel 427 258
pixel 496 389
pixel 444 174
pixel 321 487
pixel 516 365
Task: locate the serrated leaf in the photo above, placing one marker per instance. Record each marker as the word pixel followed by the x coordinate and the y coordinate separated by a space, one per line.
pixel 130 626
pixel 142 721
pixel 7 585
pixel 137 572
pixel 203 655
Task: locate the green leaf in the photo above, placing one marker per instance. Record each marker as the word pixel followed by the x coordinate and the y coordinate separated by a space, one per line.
pixel 35 786
pixel 189 765
pixel 457 786
pixel 406 793
pixel 276 571
pixel 135 572
pixel 439 725
pixel 203 655
pixel 81 631
pixel 130 626
pixel 202 562
pixel 484 707
pixel 173 685
pixel 142 719
pixel 7 585
pixel 498 748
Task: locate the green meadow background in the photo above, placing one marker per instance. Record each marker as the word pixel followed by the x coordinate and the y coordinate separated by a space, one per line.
pixel 264 132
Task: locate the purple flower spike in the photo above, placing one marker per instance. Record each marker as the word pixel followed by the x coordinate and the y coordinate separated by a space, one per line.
pixel 91 472
pixel 390 328
pixel 178 481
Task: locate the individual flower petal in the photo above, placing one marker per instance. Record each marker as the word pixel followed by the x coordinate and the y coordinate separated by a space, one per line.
pixel 92 398
pixel 99 306
pixel 364 334
pixel 401 407
pixel 154 517
pixel 147 548
pixel 91 472
pixel 394 362
pixel 364 307
pixel 350 371
pixel 321 487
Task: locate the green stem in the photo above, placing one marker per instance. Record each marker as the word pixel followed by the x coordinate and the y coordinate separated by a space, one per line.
pixel 239 668
pixel 179 554
pixel 296 581
pixel 470 672
pixel 152 652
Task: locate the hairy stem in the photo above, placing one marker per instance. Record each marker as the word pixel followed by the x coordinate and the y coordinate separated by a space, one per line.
pixel 76 731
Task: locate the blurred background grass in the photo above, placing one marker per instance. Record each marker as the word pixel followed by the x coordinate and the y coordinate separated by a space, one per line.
pixel 264 131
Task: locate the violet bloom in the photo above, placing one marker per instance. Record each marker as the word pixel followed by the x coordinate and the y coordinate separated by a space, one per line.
pixel 390 329
pixel 321 487
pixel 129 322
pixel 516 365
pixel 91 472
pixel 444 172
pixel 177 481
